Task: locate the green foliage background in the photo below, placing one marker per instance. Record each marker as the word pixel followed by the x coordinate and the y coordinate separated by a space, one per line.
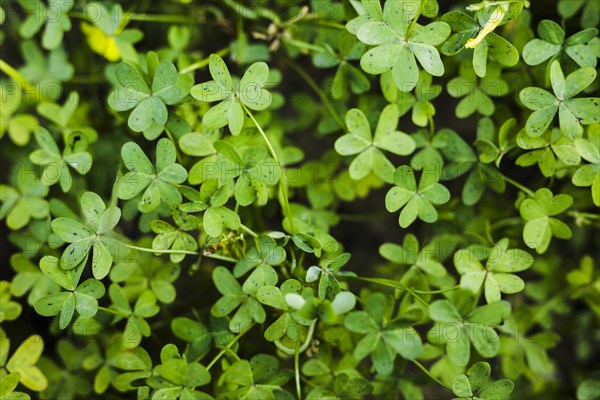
pixel 277 200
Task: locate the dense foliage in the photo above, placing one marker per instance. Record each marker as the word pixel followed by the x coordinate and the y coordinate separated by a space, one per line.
pixel 278 200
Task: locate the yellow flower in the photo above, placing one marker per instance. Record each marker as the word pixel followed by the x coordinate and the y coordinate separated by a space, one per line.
pixel 100 42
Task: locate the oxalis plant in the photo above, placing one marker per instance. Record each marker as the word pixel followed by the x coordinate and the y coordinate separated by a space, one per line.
pixel 300 200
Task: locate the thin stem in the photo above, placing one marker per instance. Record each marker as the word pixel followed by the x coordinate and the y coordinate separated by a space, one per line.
pixel 224 350
pixel 288 209
pixel 450 289
pixel 297 370
pixel 414 21
pixel 319 92
pixel 129 16
pixel 516 184
pixel 431 126
pixel 579 214
pixel 506 222
pixel 233 354
pixel 418 364
pixel 204 62
pixel 109 311
pixel 304 45
pixel 392 284
pixel 309 20
pixel 248 230
pixel 219 257
pixel 177 154
pixel 19 79
pixel 147 250
pixel 548 306
pixel 309 336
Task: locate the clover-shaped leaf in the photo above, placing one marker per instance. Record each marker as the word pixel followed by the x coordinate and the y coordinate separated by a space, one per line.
pixel 21 366
pixel 26 201
pixel 400 43
pixel 468 31
pixel 589 174
pixel 29 278
pixel 416 201
pixel 492 147
pixel 234 296
pixel 546 149
pixel 147 273
pixel 83 298
pixel 369 148
pixel 211 199
pixel 254 172
pixel 497 275
pixel 589 11
pixel 66 119
pixel 48 71
pixel 233 97
pixel 381 339
pixel 343 387
pixel 264 250
pixel 136 327
pixel 329 286
pixel 274 296
pixel 56 163
pixel 84 237
pixel 541 225
pixel 55 16
pixel 148 103
pixel 170 237
pixel 410 254
pixel 572 112
pixel 9 309
pixel 158 184
pixel 552 43
pixel 346 76
pixel 475 384
pixel 458 329
pixel 176 378
pixel 259 378
pixel 476 94
pixel 420 103
pixel 18 126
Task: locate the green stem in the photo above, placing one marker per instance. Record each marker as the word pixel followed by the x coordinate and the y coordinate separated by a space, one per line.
pixel 304 45
pixel 297 370
pixel 288 209
pixel 319 92
pixel 129 16
pixel 506 222
pixel 450 289
pixel 579 214
pixel 418 364
pixel 147 250
pixel 414 21
pixel 177 153
pixel 392 284
pixel 204 62
pixel 224 350
pixel 109 311
pixel 315 20
pixel 431 126
pixel 19 79
pixel 309 336
pixel 248 230
pixel 516 184
pixel 219 257
pixel 548 306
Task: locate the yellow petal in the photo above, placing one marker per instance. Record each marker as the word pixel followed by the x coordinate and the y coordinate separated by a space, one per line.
pixel 100 42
